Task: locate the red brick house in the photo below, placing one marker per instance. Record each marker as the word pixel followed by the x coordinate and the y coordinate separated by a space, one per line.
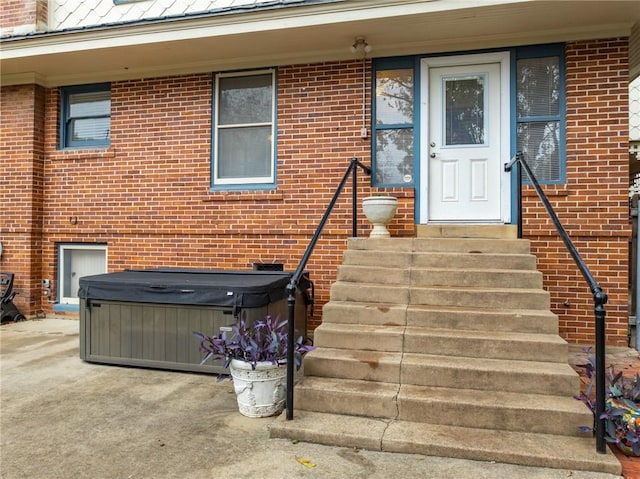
pixel 212 134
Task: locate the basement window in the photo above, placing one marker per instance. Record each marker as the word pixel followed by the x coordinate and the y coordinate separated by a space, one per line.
pixel 76 260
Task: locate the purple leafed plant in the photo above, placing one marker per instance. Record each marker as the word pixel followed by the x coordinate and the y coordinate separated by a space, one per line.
pixel 264 340
pixel 622 406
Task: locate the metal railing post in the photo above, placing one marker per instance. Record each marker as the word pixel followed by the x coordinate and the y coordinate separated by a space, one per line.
pixel 291 330
pixel 599 299
pixel 354 199
pixel 519 198
pixel 295 278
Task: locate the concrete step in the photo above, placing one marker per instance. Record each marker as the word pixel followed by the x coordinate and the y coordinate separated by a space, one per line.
pixel 529 449
pixel 472 245
pixel 359 336
pixel 440 317
pixel 444 260
pixel 374 274
pixel 501 410
pixel 484 278
pixel 367 292
pixel 498 231
pixel 495 298
pixel 537 377
pixel 454 407
pixel 457 245
pixel 491 278
pixel 445 342
pixel 348 312
pixel 352 397
pixel 467 261
pixel 451 317
pixel 380 366
pixel 485 344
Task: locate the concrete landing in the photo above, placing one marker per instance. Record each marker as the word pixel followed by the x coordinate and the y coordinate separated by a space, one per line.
pixel 63 418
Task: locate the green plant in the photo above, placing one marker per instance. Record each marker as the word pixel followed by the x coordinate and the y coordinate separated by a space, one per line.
pixel 622 406
pixel 264 340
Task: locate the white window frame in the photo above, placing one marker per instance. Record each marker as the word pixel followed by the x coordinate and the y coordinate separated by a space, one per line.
pixel 62 248
pixel 255 180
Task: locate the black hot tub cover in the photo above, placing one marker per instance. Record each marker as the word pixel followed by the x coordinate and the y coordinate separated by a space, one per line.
pixel 239 289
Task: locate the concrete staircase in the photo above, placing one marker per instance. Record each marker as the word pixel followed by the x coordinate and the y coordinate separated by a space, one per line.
pixel 444 345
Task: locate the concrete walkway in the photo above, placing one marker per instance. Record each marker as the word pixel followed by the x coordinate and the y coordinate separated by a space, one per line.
pixel 64 418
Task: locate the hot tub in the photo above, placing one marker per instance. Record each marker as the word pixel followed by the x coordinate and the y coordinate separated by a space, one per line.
pixel 147 317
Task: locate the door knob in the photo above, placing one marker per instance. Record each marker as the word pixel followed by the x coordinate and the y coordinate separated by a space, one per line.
pixel 432 155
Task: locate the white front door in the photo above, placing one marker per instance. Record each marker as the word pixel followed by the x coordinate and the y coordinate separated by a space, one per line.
pixel 464 140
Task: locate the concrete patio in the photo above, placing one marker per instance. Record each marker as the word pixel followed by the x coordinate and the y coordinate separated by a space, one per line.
pixel 62 418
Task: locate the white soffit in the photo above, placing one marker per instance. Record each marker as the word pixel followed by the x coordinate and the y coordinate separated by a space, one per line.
pixel 292 35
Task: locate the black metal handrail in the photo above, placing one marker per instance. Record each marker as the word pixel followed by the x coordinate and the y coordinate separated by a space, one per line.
pixel 599 296
pixel 293 283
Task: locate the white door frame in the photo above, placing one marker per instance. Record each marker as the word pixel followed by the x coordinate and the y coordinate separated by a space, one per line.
pixel 503 58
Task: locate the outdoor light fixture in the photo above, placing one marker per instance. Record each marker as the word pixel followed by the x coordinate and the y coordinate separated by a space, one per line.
pixel 360 45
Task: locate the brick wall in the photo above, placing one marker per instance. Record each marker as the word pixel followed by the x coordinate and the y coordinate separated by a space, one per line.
pixel 593 204
pixel 148 198
pixel 21 139
pixel 19 17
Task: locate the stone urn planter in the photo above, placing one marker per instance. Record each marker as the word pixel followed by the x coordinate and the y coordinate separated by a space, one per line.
pixel 260 390
pixel 379 210
pixel 256 355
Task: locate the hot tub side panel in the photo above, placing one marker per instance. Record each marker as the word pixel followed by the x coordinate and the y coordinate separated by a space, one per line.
pixel 161 335
pixel 149 335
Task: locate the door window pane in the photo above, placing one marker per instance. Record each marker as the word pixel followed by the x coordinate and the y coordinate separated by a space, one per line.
pixel 464 110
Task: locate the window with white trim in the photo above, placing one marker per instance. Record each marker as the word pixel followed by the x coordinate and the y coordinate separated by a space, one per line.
pixel 244 129
pixel 85 116
pixel 76 260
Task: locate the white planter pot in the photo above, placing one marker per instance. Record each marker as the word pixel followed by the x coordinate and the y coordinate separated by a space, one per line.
pixel 379 210
pixel 260 392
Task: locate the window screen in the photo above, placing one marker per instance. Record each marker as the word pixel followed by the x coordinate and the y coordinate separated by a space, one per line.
pixel 539 110
pixel 244 129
